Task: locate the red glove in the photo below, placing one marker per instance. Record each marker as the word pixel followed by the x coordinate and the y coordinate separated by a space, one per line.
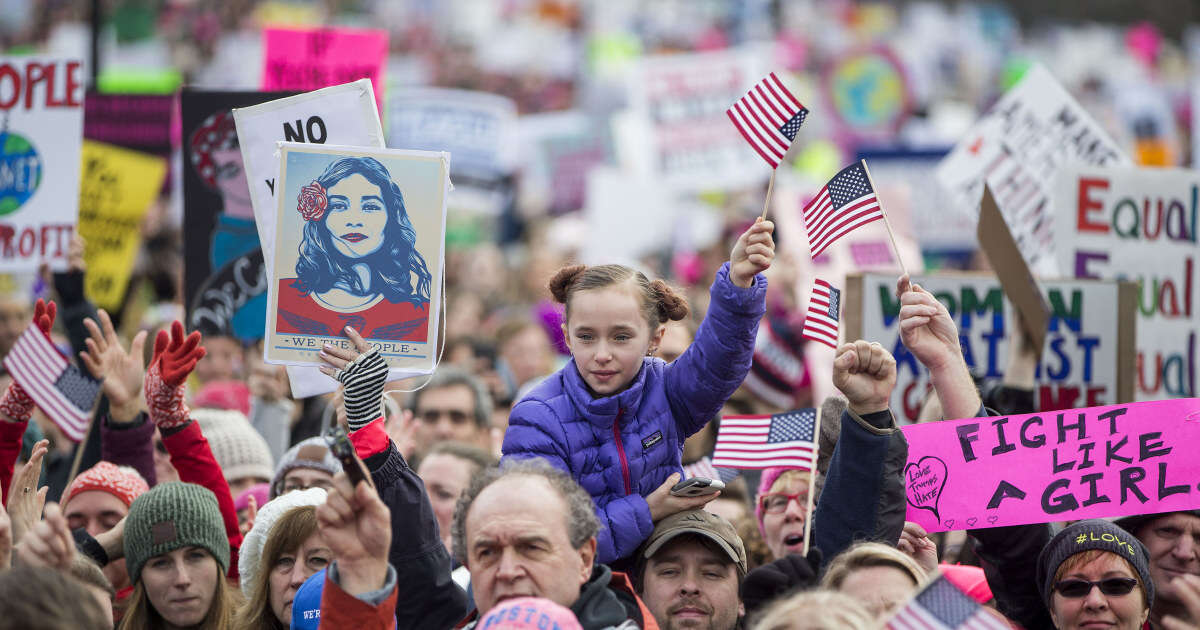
pixel 174 358
pixel 16 405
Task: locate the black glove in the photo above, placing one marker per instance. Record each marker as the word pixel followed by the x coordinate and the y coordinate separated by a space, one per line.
pixel 69 287
pixel 770 581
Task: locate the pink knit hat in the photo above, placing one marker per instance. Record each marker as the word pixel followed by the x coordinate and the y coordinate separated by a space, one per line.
pixel 529 613
pixel 261 493
pixel 122 482
pixel 768 479
pixel 968 579
pixel 231 395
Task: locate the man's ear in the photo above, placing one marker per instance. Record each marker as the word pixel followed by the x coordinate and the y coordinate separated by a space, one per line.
pixel 587 557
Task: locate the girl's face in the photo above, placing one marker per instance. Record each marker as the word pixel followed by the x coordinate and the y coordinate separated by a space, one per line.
pixel 609 337
pixel 181 584
pixel 291 570
pixel 784 510
pixel 1119 612
pixel 356 216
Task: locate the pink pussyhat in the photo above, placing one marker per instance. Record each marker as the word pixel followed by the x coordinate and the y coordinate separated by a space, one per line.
pixel 528 613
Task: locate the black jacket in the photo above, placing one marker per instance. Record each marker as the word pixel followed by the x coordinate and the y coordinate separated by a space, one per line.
pixel 604 604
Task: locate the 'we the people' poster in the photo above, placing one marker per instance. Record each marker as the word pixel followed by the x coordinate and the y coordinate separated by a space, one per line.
pixel 359 242
pixel 41 135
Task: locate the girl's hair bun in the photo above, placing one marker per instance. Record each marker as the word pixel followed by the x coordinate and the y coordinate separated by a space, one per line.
pixel 671 305
pixel 560 284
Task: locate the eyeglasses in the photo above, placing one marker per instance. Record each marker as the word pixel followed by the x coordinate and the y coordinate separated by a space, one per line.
pixel 777 502
pixel 1075 589
pixel 431 415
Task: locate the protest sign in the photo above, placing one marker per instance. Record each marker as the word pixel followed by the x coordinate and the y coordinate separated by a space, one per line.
pixel 313 58
pixel 478 129
pixel 1074 464
pixel 141 122
pixel 116 188
pixel 41 132
pixel 223 275
pixel 1018 147
pixel 1139 224
pixel 1020 288
pixel 1088 355
pixel 868 92
pixel 359 242
pixel 678 131
pixel 566 146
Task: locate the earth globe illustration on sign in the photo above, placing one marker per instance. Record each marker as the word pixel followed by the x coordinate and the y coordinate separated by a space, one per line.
pixel 20 171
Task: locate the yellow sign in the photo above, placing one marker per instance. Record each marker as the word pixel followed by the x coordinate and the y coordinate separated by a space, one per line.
pixel 116 188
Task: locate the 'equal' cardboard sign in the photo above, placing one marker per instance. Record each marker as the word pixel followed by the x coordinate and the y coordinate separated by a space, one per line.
pixel 1017 281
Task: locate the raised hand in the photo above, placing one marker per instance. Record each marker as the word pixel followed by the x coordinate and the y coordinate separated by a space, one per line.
pixel 174 358
pixel 914 541
pixel 1188 588
pixel 356 525
pixel 362 373
pixel 25 499
pixel 752 253
pixel 123 372
pixel 16 405
pixel 865 373
pixel 49 543
pixel 6 540
pixel 926 327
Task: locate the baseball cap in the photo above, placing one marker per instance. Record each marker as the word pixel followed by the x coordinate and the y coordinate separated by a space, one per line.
pixel 700 523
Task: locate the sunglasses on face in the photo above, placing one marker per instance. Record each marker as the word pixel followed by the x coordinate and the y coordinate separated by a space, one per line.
pixel 1075 589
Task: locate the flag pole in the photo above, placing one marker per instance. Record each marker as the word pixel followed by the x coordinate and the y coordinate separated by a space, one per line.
pixel 770 186
pixel 887 223
pixel 812 485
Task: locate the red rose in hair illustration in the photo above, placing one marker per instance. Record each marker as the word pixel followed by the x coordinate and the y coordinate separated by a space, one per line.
pixel 312 202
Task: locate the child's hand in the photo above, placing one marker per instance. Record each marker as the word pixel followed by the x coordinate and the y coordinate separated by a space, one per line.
pixel 663 504
pixel 752 253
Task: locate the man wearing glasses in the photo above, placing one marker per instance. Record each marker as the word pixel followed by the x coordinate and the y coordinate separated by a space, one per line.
pixel 453 407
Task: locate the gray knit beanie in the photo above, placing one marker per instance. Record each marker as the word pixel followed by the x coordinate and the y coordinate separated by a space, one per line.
pixel 1092 534
pixel 170 516
pixel 311 453
pixel 240 450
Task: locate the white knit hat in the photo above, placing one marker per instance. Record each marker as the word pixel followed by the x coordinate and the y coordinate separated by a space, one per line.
pixel 250 554
pixel 240 450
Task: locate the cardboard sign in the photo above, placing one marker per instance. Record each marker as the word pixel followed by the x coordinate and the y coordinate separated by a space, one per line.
pixel 1075 464
pixel 41 132
pixel 869 93
pixel 309 59
pixel 1140 224
pixel 478 129
pixel 1020 288
pixel 141 122
pixel 223 273
pixel 1017 148
pixel 677 130
pixel 1088 355
pixel 116 189
pixel 359 242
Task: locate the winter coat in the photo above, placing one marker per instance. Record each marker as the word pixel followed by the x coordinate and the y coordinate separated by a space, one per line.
pixel 620 448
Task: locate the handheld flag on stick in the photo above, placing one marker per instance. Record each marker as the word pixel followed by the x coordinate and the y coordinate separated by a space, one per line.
pixel 821 322
pixel 783 439
pixel 941 606
pixel 60 389
pixel 846 203
pixel 703 467
pixel 768 117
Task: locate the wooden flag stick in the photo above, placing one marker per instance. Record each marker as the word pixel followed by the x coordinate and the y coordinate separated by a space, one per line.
pixel 770 187
pixel 886 223
pixel 812 485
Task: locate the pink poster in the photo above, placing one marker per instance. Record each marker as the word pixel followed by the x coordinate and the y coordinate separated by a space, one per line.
pixel 310 59
pixel 1066 465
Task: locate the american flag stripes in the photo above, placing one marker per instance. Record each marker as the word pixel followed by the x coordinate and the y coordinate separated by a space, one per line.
pixel 846 203
pixel 821 322
pixel 768 117
pixel 703 467
pixel 66 394
pixel 941 606
pixel 783 439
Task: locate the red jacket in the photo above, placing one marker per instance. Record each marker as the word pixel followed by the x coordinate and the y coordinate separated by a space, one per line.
pixel 193 458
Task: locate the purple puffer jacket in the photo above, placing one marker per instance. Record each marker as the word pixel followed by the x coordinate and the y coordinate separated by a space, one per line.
pixel 621 448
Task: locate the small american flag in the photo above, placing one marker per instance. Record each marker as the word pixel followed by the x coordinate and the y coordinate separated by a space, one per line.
pixel 703 467
pixel 821 322
pixel 768 117
pixel 783 439
pixel 847 202
pixel 60 389
pixel 941 606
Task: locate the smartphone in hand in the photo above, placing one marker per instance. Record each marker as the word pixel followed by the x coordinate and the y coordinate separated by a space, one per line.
pixel 697 486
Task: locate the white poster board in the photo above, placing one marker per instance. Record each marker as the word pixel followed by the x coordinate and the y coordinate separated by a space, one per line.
pixel 41 138
pixel 1017 148
pixel 1079 365
pixel 1139 224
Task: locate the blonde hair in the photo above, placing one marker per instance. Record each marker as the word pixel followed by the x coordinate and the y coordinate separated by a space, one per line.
pixel 819 610
pixel 141 615
pixel 287 534
pixel 867 555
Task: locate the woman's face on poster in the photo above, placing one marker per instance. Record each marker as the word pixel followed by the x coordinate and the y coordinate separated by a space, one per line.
pixel 231 180
pixel 356 217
